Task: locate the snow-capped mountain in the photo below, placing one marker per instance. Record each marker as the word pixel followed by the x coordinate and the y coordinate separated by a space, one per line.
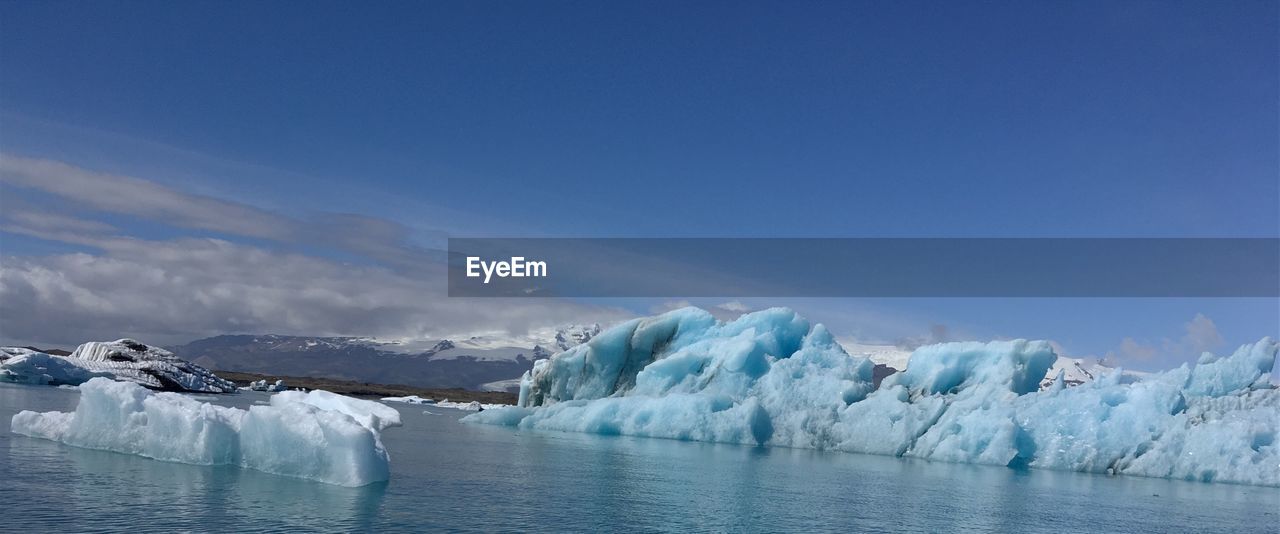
pixel 573 335
pixel 1075 371
pixel 470 362
pixel 888 355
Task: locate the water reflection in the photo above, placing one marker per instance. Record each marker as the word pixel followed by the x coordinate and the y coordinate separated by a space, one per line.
pixel 192 497
pixel 448 476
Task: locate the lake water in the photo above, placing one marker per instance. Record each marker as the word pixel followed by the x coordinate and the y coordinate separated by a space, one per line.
pixel 448 476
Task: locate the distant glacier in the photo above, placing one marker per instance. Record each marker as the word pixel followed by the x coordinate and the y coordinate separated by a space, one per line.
pixel 771 378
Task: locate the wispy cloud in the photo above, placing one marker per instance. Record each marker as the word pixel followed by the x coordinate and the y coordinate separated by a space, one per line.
pixel 375 238
pixel 141 198
pixel 38 223
pixel 240 269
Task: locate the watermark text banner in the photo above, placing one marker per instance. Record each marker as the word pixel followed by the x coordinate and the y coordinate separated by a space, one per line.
pixel 864 267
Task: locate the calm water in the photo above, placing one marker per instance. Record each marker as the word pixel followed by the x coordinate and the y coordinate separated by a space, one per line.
pixel 448 476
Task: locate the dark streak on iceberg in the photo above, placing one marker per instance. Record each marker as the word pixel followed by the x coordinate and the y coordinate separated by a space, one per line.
pixel 770 378
pixel 125 360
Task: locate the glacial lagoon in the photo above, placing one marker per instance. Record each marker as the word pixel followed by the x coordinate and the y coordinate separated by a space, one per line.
pixel 450 476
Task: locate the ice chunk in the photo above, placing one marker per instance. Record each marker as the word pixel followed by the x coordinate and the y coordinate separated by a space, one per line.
pixel 1249 367
pixel 411 399
pixel 473 406
pixel 317 435
pixel 124 359
pixel 684 375
pixel 10 352
pixel 263 385
pixel 1016 366
pixel 374 415
pixel 42 369
pixel 770 378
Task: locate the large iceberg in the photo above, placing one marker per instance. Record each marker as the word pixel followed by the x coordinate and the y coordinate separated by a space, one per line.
pixel 770 378
pixel 315 435
pixel 123 359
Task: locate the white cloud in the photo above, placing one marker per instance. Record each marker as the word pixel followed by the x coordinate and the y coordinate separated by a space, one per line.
pixel 177 290
pixel 142 198
pixel 1200 335
pixel 379 239
pixel 168 291
pixel 726 311
pixel 938 333
pixel 1130 351
pixel 669 305
pixel 36 222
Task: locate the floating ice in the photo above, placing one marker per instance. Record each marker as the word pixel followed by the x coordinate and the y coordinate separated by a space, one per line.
pixel 770 378
pixel 124 359
pixel 263 385
pixel 317 435
pixel 473 406
pixel 411 399
pixel 370 414
pixel 38 368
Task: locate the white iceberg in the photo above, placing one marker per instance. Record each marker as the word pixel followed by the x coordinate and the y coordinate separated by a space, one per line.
pixel 410 399
pixel 263 385
pixel 473 406
pixel 318 435
pixel 124 359
pixel 770 378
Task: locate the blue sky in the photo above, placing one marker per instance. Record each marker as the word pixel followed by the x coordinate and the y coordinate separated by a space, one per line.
pixel 647 119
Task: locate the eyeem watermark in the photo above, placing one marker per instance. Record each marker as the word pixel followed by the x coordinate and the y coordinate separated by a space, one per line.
pixel 865 267
pixel 517 267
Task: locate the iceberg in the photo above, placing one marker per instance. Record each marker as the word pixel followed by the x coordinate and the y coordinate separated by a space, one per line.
pixel 26 366
pixel 124 359
pixel 473 406
pixel 410 399
pixel 316 435
pixel 770 378
pixel 263 385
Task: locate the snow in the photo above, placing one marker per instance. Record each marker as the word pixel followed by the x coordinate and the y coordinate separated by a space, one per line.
pixel 771 378
pixel 123 359
pixel 317 435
